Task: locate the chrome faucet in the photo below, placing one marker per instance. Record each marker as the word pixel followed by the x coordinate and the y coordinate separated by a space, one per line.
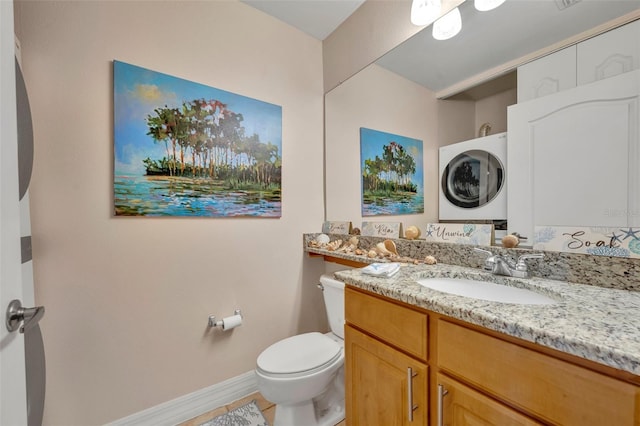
pixel 502 265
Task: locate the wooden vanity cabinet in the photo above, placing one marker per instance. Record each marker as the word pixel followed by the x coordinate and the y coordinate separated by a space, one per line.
pixel 454 374
pixel 553 390
pixel 386 374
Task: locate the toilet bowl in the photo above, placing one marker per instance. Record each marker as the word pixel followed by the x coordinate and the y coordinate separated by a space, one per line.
pixel 304 375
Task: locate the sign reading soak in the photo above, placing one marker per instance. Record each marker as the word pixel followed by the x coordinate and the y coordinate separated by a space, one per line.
pixel 460 233
pixel 600 241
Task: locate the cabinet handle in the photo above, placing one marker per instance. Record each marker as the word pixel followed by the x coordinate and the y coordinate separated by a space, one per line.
pixel 441 393
pixel 410 376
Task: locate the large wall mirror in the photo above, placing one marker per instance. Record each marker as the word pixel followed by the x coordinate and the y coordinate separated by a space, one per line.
pixel 442 92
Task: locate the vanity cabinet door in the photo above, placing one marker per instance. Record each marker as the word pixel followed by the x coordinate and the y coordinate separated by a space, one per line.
pixel 609 54
pixel 546 388
pixel 549 74
pixel 383 386
pixel 462 406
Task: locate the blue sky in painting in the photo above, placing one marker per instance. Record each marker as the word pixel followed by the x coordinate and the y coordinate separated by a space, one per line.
pixel 372 141
pixel 138 91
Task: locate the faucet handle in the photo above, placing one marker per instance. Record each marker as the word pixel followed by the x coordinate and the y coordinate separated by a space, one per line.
pixel 521 265
pixel 487 252
pixel 490 261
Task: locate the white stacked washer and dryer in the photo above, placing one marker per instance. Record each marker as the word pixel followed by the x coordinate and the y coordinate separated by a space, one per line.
pixel 472 183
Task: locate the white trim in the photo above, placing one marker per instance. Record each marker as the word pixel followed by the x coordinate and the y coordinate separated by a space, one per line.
pixel 189 406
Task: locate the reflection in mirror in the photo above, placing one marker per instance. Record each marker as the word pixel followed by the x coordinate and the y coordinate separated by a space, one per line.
pixel 441 92
pixel 487 40
pixel 472 179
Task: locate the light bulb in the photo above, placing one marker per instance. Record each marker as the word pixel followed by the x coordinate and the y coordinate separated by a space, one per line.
pixel 424 12
pixel 447 26
pixel 484 5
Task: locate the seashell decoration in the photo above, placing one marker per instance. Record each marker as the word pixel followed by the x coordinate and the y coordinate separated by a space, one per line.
pixel 323 239
pixel 381 249
pixel 412 232
pixel 430 260
pixel 390 246
pixel 372 253
pixel 510 241
pixel 334 245
pixel 355 231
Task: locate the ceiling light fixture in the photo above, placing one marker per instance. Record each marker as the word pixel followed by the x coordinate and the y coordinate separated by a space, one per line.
pixel 424 12
pixel 447 26
pixel 485 5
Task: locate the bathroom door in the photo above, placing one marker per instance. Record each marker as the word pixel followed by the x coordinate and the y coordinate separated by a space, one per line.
pixel 13 399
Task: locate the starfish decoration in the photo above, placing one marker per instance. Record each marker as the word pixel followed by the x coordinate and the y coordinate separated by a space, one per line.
pixel 614 238
pixel 631 234
pixel 430 231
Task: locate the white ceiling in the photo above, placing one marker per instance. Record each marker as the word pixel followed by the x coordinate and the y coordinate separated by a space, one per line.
pixel 318 18
pixel 487 39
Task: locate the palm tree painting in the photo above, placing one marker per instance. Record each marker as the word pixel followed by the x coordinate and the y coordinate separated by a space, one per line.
pixel 392 174
pixel 185 149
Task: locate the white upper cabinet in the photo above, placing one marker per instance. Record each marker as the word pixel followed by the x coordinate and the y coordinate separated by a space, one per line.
pixel 549 74
pixel 609 54
pixel 603 56
pixel 574 157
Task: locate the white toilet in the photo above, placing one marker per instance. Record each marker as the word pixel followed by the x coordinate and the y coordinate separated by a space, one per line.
pixel 304 375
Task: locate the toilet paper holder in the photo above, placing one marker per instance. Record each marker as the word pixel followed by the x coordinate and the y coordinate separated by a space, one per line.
pixel 220 323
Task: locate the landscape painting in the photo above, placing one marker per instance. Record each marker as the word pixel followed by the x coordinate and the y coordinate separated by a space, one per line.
pixel 185 149
pixel 392 174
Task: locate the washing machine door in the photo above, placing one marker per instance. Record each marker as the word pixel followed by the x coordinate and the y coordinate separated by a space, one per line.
pixel 472 179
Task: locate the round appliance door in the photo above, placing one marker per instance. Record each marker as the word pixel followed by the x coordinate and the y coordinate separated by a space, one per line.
pixel 472 179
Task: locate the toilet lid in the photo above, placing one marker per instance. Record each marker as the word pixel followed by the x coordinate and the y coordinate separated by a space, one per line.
pixel 298 353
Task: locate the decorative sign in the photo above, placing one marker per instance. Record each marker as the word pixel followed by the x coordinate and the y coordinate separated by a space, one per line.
pixel 599 241
pixel 336 227
pixel 382 229
pixel 460 233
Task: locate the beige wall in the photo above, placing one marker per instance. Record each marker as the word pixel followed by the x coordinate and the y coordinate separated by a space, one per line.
pixel 127 299
pixel 493 110
pixel 381 100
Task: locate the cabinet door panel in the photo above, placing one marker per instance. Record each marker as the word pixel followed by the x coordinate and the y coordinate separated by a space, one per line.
pixel 548 388
pixel 550 74
pixel 395 324
pixel 574 157
pixel 463 406
pixel 377 386
pixel 609 54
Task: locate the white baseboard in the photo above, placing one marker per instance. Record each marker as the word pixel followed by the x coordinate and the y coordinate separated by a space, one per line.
pixel 189 406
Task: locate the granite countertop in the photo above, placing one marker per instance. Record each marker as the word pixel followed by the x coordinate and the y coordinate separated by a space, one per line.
pixel 595 323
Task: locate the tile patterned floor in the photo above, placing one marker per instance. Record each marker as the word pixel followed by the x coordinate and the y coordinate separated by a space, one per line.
pixel 267 408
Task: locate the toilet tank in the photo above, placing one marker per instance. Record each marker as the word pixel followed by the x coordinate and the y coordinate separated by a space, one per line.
pixel 333 292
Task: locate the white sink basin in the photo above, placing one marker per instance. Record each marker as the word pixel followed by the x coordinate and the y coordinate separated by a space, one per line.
pixel 486 291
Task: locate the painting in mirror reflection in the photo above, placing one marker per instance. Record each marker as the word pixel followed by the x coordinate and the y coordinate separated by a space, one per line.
pixel 392 174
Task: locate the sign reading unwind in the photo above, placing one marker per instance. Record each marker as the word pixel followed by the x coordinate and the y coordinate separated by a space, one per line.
pixel 600 241
pixel 460 233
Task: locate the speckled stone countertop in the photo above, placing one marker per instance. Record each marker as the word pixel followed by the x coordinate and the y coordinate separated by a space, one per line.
pixel 592 322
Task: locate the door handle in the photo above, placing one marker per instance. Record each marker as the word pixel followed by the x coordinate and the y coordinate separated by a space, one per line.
pixel 27 317
pixel 411 406
pixel 441 394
